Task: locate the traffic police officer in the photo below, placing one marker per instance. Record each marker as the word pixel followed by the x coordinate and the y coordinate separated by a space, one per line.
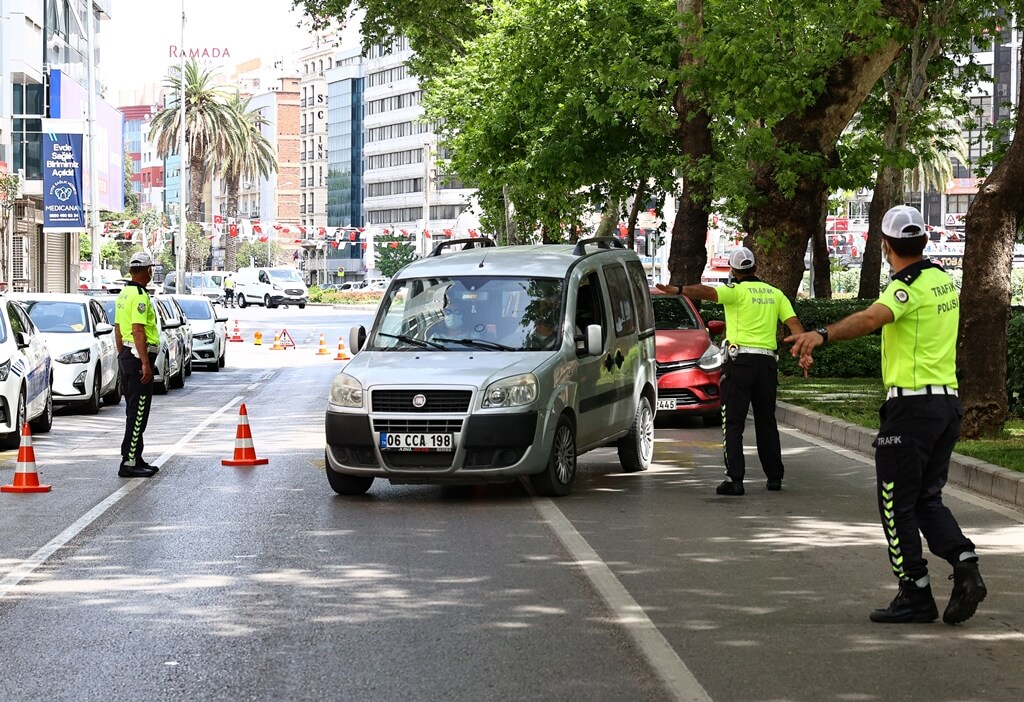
pixel 138 342
pixel 920 421
pixel 753 310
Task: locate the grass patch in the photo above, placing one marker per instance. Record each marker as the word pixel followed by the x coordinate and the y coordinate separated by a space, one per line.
pixel 856 400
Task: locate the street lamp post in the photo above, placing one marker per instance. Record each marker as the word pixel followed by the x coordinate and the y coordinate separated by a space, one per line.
pixel 179 258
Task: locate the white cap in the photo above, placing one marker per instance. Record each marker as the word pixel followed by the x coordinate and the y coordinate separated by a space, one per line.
pixel 903 222
pixel 741 259
pixel 140 259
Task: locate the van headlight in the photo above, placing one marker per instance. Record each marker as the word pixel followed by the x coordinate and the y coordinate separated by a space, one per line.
pixel 346 391
pixel 204 336
pixel 710 359
pixel 515 391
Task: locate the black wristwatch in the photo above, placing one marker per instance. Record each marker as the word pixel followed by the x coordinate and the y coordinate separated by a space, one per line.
pixel 824 334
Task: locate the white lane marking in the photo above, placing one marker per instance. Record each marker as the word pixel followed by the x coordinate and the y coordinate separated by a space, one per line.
pixel 677 678
pixel 954 490
pixel 29 565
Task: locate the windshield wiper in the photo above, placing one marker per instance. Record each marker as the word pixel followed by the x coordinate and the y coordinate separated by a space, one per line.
pixel 479 343
pixel 414 341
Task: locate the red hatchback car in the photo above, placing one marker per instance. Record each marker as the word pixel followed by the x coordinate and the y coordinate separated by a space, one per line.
pixel 689 364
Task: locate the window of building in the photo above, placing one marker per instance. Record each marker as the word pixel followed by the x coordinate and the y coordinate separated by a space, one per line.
pixel 958 204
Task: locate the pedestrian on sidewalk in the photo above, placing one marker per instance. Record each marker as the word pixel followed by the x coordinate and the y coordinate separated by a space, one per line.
pixel 138 342
pixel 750 374
pixel 920 421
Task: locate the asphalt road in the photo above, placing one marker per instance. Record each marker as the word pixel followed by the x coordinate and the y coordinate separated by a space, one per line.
pixel 211 583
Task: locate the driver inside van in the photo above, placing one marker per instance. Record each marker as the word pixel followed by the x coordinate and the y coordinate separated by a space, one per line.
pixel 457 311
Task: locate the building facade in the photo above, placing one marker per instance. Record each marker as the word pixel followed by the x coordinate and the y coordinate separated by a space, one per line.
pixel 44 57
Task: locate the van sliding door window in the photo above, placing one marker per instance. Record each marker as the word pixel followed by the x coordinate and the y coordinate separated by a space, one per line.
pixel 621 299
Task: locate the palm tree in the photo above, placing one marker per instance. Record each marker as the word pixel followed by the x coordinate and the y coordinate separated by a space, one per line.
pixel 249 156
pixel 209 128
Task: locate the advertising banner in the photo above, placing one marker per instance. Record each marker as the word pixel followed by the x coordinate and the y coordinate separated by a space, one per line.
pixel 63 208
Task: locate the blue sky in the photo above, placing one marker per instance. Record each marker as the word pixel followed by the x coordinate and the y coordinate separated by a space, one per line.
pixel 135 42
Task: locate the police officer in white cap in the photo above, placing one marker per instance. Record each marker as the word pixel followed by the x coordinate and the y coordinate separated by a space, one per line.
pixel 919 314
pixel 138 343
pixel 753 310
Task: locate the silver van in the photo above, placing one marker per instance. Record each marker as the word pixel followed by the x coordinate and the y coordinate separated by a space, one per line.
pixel 485 363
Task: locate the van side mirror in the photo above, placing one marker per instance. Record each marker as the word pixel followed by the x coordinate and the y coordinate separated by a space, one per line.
pixel 103 328
pixel 716 327
pixel 357 338
pixel 595 342
pixel 22 340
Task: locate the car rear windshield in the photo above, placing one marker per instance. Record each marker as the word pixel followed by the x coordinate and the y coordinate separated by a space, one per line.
pixel 672 313
pixel 58 317
pixel 470 314
pixel 196 309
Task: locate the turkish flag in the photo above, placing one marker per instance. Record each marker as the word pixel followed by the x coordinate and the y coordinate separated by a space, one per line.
pixel 404 232
pixel 298 241
pixel 233 229
pixel 352 236
pixel 364 247
pixel 334 244
pixel 386 231
pixel 394 244
pixel 218 219
pixel 302 230
pixel 426 233
pixel 320 231
pixel 264 239
pixel 256 229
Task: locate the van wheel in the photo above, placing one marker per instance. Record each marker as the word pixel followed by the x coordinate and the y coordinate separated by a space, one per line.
pixel 636 449
pixel 560 473
pixel 241 302
pixel 345 484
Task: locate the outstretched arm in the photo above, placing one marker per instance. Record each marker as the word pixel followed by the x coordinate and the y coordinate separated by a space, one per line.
pixel 694 292
pixel 856 325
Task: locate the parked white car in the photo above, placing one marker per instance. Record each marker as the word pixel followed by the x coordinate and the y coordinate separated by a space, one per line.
pixel 25 375
pixel 82 348
pixel 170 367
pixel 209 330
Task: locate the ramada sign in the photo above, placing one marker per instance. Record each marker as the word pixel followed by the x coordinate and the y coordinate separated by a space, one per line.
pixel 204 52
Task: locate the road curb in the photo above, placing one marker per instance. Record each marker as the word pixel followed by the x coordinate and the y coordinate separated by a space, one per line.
pixel 966 472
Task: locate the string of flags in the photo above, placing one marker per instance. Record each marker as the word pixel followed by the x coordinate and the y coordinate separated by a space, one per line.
pixel 256 230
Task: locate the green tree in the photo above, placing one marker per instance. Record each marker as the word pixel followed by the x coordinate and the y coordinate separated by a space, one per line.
pixel 249 156
pixel 197 248
pixel 131 200
pixel 393 254
pixel 210 128
pixel 84 247
pixel 256 251
pixel 10 184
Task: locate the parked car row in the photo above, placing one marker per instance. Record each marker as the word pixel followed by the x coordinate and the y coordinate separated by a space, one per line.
pixel 60 349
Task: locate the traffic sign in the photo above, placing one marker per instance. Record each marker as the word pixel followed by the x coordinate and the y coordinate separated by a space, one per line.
pixel 286 339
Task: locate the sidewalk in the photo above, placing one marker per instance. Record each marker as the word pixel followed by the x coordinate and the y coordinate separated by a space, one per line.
pixel 980 477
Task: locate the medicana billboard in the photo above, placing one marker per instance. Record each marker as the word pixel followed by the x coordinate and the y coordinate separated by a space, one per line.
pixel 63 208
pixel 69 100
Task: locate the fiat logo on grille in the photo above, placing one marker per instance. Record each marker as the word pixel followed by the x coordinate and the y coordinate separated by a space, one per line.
pixel 419 400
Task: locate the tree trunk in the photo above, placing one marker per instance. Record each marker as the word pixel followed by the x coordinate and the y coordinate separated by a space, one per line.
pixel 634 213
pixel 688 254
pixel 231 242
pixel 511 233
pixel 820 259
pixel 887 194
pixel 609 220
pixel 781 224
pixel 992 223
pixel 196 177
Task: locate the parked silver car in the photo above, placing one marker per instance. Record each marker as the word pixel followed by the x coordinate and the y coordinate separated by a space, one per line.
pixel 496 362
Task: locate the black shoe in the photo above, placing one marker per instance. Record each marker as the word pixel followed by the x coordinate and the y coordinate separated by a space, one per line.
pixel 775 485
pixel 968 590
pixel 142 463
pixel 912 604
pixel 127 472
pixel 728 487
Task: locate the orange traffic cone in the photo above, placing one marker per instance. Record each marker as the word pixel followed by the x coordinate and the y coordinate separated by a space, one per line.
pixel 322 351
pixel 245 454
pixel 25 477
pixel 277 342
pixel 342 353
pixel 237 334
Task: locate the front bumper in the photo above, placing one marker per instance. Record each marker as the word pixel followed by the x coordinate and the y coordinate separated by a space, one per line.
pixel 491 447
pixel 690 391
pixel 204 351
pixel 72 382
pixel 286 299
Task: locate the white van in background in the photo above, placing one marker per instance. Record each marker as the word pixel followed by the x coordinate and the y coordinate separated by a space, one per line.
pixel 270 287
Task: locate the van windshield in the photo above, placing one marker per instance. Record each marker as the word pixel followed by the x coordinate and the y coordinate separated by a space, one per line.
pixel 285 275
pixel 470 314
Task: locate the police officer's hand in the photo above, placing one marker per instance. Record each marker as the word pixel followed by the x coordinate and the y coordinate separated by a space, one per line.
pixel 670 289
pixel 147 373
pixel 804 344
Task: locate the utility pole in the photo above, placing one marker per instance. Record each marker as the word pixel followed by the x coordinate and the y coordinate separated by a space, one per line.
pixel 426 196
pixel 179 258
pixel 94 185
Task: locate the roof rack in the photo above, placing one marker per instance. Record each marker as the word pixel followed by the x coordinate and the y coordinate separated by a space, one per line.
pixel 602 242
pixel 482 242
